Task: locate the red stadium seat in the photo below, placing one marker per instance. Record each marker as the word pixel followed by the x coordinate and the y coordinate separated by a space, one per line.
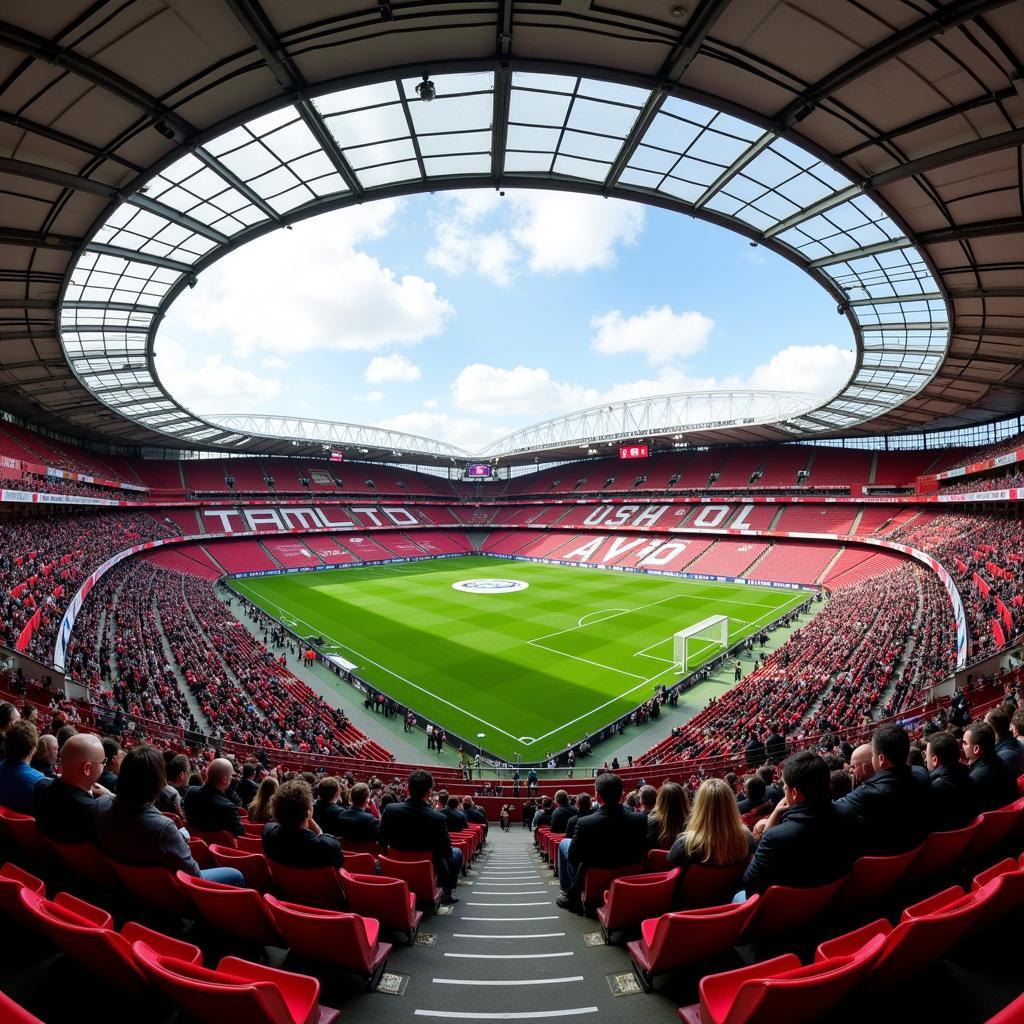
pixel 201 853
pixel 232 910
pixel 597 880
pixel 156 888
pixel 995 827
pixel 780 989
pixel 687 937
pixel 236 991
pixel 788 908
pixel 656 860
pixel 87 861
pixel 386 899
pixel 334 937
pixel 938 854
pixel 254 866
pixel 22 829
pixel 703 885
pixel 313 887
pixel 1013 1014
pixel 12 1013
pixel 248 844
pixel 12 880
pixel 633 898
pixel 418 875
pixel 222 837
pixel 871 879
pixel 85 934
pixel 360 863
pixel 350 846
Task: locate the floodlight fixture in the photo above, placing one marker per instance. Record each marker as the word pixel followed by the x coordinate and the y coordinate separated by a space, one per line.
pixel 426 90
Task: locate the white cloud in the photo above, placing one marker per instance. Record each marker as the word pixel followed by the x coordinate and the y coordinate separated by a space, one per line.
pixel 209 384
pixel 373 396
pixel 470 434
pixel 383 369
pixel 659 334
pixel 521 391
pixel 274 363
pixel 310 288
pixel 430 403
pixel 548 232
pixel 819 369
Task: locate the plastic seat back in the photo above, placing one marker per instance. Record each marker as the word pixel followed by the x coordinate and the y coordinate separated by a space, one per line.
pixel 417 874
pixel 12 1013
pixel 597 880
pixel 939 853
pixel 410 855
pixel 386 899
pixel 871 879
pixel 787 908
pixel 87 861
pixel 22 828
pixel 254 867
pixel 313 887
pixel 232 910
pixel 223 995
pixel 995 827
pixel 370 846
pixel 12 880
pixel 656 860
pixel 633 898
pixel 704 885
pixel 155 888
pixel 360 863
pixel 222 837
pixel 248 844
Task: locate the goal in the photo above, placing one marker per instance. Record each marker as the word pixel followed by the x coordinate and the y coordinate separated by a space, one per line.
pixel 698 642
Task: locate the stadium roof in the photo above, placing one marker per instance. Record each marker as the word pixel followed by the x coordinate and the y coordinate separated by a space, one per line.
pixel 876 147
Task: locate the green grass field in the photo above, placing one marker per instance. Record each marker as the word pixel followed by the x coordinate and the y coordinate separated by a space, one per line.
pixel 532 670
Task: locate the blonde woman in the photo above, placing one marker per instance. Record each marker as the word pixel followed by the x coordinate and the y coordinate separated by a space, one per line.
pixel 668 819
pixel 259 809
pixel 714 834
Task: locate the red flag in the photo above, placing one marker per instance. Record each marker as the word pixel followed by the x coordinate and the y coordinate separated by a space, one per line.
pixel 998 634
pixel 1004 614
pixel 981 585
pixel 960 566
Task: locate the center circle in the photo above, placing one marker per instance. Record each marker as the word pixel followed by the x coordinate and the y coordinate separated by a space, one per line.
pixel 490 586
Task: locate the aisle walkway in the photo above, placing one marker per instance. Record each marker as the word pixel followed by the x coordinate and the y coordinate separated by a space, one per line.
pixel 505 951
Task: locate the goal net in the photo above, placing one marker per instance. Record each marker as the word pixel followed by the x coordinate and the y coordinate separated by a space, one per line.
pixel 700 641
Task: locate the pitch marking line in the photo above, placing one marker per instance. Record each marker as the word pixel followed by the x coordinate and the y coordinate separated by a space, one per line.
pixel 614 612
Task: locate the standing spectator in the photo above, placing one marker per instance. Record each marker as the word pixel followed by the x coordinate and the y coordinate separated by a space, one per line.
pixel 755 751
pixel 775 745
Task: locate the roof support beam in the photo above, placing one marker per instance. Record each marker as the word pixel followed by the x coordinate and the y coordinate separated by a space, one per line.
pixel 683 53
pixel 1013 292
pixel 821 206
pixel 944 157
pixel 140 257
pixel 881 53
pixel 181 219
pixel 856 254
pixel 988 332
pixel 39 240
pixel 980 229
pixel 737 165
pixel 499 120
pixel 49 304
pixel 50 175
pixel 924 325
pixel 121 307
pixel 236 183
pixel 892 299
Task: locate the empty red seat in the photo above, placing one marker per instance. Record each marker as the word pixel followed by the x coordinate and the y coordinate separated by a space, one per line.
pixel 87 861
pixel 633 898
pixel 232 910
pixel 254 867
pixel 870 879
pixel 236 991
pixel 312 887
pixel 687 937
pixel 656 860
pixel 938 854
pixel 352 846
pixel 12 1013
pixel 250 844
pixel 925 933
pixel 86 934
pixel 12 880
pixel 1007 893
pixel 22 829
pixel 781 989
pixel 596 882
pixel 788 908
pixel 155 888
pixel 386 899
pixel 201 853
pixel 418 875
pixel 333 937
pixel 704 885
pixel 360 863
pixel 994 828
pixel 222 837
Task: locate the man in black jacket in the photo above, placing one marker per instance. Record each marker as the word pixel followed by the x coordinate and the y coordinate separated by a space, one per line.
pixel 775 745
pixel 891 809
pixel 451 808
pixel 415 825
pixel 355 822
pixel 993 785
pixel 755 752
pixel 561 814
pixel 954 798
pixel 609 837
pixel 246 788
pixel 327 808
pixel 1007 747
pixel 806 842
pixel 293 838
pixel 543 816
pixel 65 809
pixel 208 808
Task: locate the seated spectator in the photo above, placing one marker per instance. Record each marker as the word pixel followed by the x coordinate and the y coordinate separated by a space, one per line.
pixel 327 808
pixel 178 771
pixel 247 785
pixel 17 777
pixel 840 782
pixel 861 764
pixel 892 808
pixel 543 815
pixel 9 714
pixel 954 800
pixel 293 838
pixel 668 819
pixel 993 785
pixel 1007 748
pixel 805 841
pixel 259 809
pixel 208 807
pixel 131 830
pixel 584 805
pixel 714 834
pixel 451 808
pixel 647 797
pixel 113 753
pixel 773 791
pixel 561 813
pixel 356 823
pixel 414 825
pixel 609 837
pixel 755 752
pixel 473 814
pixel 65 809
pixel 753 799
pixel 44 760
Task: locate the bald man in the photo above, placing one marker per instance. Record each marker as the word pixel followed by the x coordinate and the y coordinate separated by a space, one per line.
pixel 208 808
pixel 65 808
pixel 861 768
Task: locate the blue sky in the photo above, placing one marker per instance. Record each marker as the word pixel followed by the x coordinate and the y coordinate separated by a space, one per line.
pixel 464 315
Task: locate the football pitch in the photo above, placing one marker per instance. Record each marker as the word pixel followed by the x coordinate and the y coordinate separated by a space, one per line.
pixel 532 668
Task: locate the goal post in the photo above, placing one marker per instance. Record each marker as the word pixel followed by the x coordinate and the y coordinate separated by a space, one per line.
pixel 699 641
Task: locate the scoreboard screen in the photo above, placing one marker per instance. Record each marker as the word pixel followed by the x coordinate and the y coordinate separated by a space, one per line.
pixel 337 456
pixel 634 451
pixel 478 470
